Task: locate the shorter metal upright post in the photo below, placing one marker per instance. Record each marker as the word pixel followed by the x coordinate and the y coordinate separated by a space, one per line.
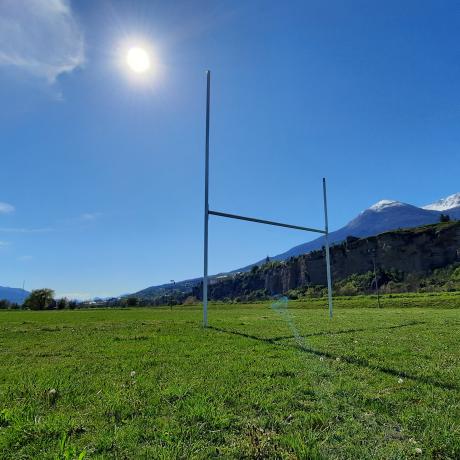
pixel 328 257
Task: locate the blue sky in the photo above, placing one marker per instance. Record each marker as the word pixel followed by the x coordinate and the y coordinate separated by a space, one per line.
pixel 103 175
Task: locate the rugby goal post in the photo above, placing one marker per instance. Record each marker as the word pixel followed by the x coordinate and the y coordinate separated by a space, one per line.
pixel 208 212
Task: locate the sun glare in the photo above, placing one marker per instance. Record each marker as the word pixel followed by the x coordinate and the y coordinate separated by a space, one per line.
pixel 138 59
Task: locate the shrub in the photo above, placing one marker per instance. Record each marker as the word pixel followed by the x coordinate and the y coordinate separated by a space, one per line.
pixel 62 303
pixel 190 300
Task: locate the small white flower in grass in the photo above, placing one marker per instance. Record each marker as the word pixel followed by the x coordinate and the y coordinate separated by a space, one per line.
pixel 53 395
pixel 400 380
pixel 133 374
pixel 418 450
pixel 337 359
pixel 321 358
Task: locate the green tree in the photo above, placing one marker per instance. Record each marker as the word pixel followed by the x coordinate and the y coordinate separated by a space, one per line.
pixel 4 304
pixel 132 302
pixel 40 299
pixel 444 218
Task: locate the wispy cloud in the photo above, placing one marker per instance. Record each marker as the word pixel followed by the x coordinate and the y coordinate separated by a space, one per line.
pixel 89 216
pixel 25 230
pixel 40 37
pixel 5 208
pixel 4 244
pixel 74 295
pixel 84 218
pixel 25 258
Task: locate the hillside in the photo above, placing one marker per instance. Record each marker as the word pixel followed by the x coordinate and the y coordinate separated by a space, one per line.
pixel 416 251
pixel 386 215
pixel 381 217
pixel 14 295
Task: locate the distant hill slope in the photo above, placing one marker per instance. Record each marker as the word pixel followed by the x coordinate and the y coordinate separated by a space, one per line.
pixel 383 216
pixel 164 289
pixel 14 295
pixel 415 251
pixel 386 215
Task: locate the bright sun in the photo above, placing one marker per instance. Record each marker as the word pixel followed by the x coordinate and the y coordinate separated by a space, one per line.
pixel 138 59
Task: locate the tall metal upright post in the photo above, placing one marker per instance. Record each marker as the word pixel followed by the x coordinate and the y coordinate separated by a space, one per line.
pixel 206 203
pixel 328 257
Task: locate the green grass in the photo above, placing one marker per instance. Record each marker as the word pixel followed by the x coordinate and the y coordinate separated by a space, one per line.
pixel 376 384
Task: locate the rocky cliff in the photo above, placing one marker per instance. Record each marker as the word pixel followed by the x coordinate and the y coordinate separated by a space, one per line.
pixel 418 250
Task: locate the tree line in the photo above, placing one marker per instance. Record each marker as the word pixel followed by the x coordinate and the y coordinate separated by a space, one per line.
pixel 44 299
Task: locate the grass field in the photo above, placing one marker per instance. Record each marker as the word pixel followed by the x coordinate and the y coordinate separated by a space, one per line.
pixel 371 383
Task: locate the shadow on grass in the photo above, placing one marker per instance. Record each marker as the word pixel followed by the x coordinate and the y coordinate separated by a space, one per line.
pixel 315 334
pixel 362 329
pixel 348 359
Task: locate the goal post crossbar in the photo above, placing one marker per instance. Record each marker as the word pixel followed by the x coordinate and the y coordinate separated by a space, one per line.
pixel 267 222
pixel 208 212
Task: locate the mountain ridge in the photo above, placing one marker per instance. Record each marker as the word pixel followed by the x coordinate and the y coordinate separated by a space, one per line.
pixel 383 216
pixel 449 202
pixel 403 257
pixel 15 295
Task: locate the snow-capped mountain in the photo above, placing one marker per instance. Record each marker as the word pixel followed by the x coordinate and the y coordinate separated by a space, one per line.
pixel 383 216
pixel 452 201
pixel 383 204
